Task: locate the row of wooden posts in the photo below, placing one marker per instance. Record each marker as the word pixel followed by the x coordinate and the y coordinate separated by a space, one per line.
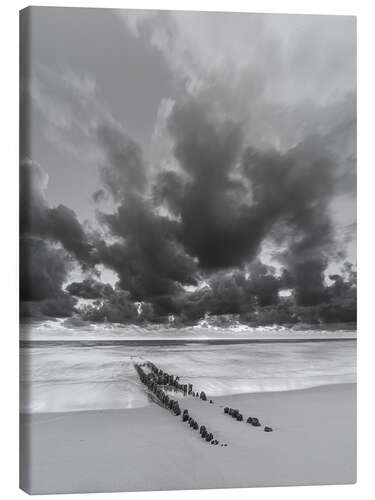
pixel 156 379
pixel 235 413
pixel 172 382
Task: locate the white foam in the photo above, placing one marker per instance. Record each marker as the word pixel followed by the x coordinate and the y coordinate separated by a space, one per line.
pixel 68 378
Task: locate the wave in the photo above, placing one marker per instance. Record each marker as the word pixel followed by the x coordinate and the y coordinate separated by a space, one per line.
pixel 63 377
pixel 211 327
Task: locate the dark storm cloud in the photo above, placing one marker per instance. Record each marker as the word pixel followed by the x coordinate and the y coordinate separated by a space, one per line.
pixel 58 224
pixel 125 170
pixel 257 145
pixel 43 267
pixel 150 261
pixel 117 308
pixel 223 203
pixel 63 226
pixel 215 226
pixel 295 188
pixel 222 225
pixel 90 289
pixel 225 293
pixel 43 270
pixel 108 303
pixel 147 256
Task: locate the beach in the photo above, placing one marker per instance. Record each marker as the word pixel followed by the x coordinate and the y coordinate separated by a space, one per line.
pixel 148 448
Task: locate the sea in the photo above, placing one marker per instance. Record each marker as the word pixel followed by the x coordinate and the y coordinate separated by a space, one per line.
pixel 74 367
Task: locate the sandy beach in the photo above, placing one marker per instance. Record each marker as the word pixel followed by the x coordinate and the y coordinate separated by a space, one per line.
pixel 313 442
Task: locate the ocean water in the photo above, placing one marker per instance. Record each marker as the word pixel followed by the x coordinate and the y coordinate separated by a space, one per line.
pixel 87 373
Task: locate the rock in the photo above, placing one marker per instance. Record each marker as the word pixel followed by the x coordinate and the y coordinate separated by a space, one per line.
pixel 203 396
pixel 249 420
pixel 185 417
pixel 226 409
pixel 195 426
pixel 202 428
pixel 239 417
pixel 255 422
pixel 211 402
pixel 268 429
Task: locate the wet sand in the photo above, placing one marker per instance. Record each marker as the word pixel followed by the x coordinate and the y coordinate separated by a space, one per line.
pixel 313 442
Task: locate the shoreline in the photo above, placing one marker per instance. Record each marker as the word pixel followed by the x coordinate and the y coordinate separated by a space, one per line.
pixel 182 341
pixel 140 449
pixel 222 398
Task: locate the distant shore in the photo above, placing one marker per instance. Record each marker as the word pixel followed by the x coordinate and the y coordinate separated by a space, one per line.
pixel 171 342
pixel 313 442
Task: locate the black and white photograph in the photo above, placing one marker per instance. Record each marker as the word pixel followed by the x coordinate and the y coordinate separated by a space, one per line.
pixel 188 254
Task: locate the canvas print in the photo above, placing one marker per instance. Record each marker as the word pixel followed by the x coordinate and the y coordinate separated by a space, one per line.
pixel 187 250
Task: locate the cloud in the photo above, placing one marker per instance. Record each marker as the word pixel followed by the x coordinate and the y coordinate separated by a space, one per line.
pixel 51 240
pixel 118 308
pixel 43 270
pixel 295 189
pixel 149 260
pixel 272 74
pixel 219 205
pixel 90 289
pixel 58 224
pixel 268 58
pixel 126 169
pixel 257 147
pixel 213 218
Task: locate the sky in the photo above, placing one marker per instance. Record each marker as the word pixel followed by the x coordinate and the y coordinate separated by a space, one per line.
pixel 187 163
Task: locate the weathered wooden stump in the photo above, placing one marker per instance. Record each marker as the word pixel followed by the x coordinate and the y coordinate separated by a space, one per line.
pixel 203 396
